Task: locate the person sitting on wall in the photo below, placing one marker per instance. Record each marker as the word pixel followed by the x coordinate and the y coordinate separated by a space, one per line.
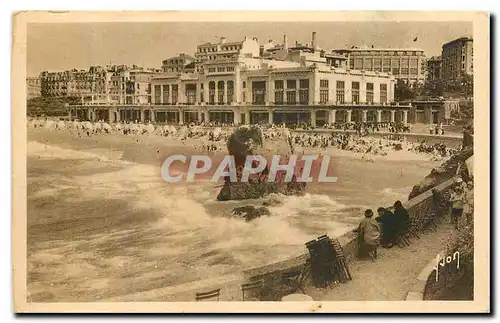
pixel 389 227
pixel 368 236
pixel 401 218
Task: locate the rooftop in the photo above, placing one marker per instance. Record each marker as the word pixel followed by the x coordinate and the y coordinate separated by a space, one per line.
pixel 385 49
pixel 460 39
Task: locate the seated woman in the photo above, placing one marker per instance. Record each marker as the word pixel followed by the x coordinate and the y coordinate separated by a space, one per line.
pixel 389 227
pixel 368 236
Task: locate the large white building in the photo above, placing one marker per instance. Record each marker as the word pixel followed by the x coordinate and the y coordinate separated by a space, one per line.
pixel 233 84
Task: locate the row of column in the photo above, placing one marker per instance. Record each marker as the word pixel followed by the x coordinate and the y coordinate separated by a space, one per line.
pixel 364 116
pixel 237 116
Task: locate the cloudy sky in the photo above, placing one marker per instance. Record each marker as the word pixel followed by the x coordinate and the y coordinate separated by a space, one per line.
pixel 56 47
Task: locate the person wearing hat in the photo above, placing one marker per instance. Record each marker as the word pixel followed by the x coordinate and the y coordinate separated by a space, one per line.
pixel 368 235
pixel 457 202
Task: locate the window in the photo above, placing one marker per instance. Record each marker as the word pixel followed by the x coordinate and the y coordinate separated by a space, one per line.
pixel 367 65
pixel 230 91
pixel 383 93
pixel 278 92
pixel 278 97
pixel 191 93
pixel 259 92
pixel 351 63
pixel 377 64
pixel 340 94
pixel 304 96
pixel 358 63
pixel 220 92
pixel 211 92
pixel 369 92
pixel 291 84
pixel 230 69
pixel 157 94
pixel 211 70
pixel 175 93
pixel 221 69
pixel 166 93
pixel 244 84
pixel 355 92
pixel 291 97
pixel 323 91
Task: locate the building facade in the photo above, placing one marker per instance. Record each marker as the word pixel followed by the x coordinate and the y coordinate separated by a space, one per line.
pixel 434 68
pixel 433 111
pixel 457 58
pixel 245 90
pixel 180 63
pixel 406 64
pixel 33 87
pixel 222 49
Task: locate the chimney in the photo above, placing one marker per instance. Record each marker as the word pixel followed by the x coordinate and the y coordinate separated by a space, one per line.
pixel 223 40
pixel 285 42
pixel 313 40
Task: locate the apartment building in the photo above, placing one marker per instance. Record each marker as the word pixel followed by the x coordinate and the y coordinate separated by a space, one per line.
pixel 434 68
pixel 180 63
pixel 223 49
pixel 405 64
pixel 457 58
pixel 33 87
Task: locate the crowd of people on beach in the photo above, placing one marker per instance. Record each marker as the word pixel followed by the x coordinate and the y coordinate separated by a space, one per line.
pixel 356 142
pixel 393 223
pixel 370 145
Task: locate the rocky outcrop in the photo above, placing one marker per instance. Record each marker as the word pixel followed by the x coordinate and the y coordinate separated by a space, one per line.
pixel 250 212
pixel 445 171
pixel 246 141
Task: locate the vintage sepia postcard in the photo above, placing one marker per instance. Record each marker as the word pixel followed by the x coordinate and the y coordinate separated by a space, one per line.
pixel 251 162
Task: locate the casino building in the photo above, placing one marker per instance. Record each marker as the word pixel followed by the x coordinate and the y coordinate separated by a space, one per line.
pixel 242 83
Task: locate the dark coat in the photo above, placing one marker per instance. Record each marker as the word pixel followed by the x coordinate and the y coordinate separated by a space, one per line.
pixel 402 219
pixel 389 225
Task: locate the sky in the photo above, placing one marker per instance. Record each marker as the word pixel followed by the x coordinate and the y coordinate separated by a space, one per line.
pixel 57 47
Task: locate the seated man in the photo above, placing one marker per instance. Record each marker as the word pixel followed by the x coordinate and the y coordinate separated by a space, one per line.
pixel 368 236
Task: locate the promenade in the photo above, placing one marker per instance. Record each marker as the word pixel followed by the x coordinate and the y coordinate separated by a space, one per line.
pixel 390 276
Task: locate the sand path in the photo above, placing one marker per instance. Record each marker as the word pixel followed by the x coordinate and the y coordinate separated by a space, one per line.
pixel 391 276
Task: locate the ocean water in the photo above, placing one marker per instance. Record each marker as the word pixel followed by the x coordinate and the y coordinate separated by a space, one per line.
pixel 101 226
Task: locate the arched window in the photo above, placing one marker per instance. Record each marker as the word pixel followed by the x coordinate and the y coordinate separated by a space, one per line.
pixel 230 91
pixel 220 92
pixel 211 92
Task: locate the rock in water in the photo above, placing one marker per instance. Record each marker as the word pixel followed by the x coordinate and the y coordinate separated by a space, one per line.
pixel 250 212
pixel 246 141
